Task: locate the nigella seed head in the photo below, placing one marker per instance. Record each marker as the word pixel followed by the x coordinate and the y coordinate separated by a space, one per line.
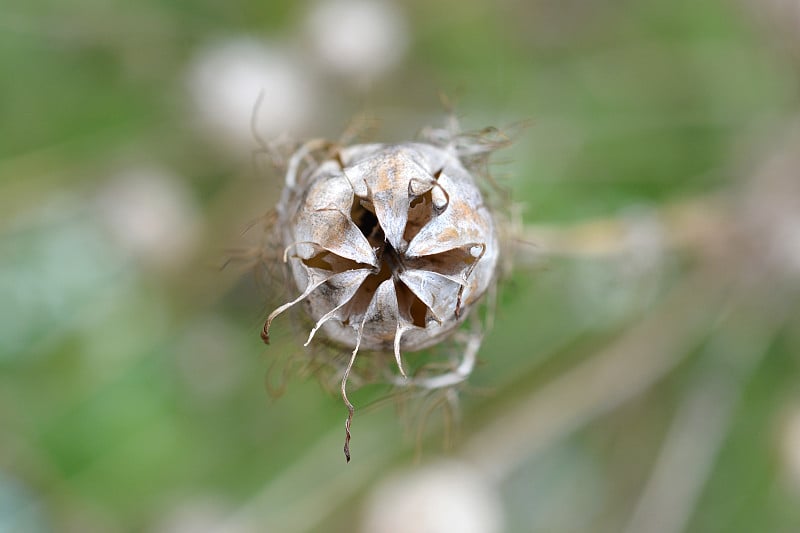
pixel 390 246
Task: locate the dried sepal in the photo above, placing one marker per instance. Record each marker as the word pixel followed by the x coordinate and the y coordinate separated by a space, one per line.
pixel 390 247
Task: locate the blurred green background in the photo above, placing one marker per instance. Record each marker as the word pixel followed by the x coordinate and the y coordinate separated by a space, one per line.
pixel 642 371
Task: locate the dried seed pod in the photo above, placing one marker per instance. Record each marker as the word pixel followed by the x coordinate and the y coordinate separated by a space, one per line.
pixel 390 246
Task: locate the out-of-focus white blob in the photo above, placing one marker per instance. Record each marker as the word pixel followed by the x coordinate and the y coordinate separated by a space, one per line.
pixel 438 498
pixel 201 515
pixel 362 39
pixel 150 214
pixel 225 79
pixel 56 267
pixel 791 447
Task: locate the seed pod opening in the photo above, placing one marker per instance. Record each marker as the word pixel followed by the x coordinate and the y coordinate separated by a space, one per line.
pixel 390 246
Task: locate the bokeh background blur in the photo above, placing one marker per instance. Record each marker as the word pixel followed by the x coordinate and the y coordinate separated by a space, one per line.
pixel 642 371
